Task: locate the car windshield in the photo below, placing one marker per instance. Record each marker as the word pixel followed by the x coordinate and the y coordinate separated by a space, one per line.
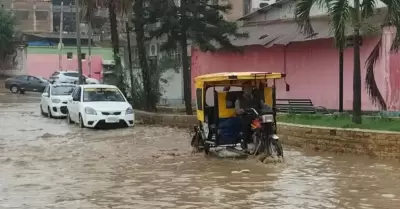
pixel 62 90
pixel 102 95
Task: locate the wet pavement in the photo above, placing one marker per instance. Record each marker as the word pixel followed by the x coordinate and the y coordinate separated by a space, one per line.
pixel 48 164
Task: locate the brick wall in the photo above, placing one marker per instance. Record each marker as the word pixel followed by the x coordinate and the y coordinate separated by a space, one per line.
pixel 349 141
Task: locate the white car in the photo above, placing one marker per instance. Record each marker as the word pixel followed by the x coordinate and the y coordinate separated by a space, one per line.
pixel 98 105
pixel 54 99
pixel 70 77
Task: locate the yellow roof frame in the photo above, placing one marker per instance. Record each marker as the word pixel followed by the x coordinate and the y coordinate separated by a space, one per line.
pixel 227 76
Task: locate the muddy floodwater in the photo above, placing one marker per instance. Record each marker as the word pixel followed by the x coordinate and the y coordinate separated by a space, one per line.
pixel 45 163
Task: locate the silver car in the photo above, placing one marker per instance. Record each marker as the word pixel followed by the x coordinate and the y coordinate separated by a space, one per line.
pixel 70 77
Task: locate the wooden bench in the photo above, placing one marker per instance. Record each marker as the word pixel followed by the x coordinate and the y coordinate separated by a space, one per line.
pixel 298 106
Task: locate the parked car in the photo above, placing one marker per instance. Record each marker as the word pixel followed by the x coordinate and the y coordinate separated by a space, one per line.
pixel 98 105
pixel 70 77
pixel 22 83
pixel 54 100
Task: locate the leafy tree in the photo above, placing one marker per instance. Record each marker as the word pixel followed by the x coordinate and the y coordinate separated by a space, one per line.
pixel 7 31
pixel 356 16
pixel 195 21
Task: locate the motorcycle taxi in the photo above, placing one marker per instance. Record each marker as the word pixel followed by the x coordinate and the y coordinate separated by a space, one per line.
pixel 218 124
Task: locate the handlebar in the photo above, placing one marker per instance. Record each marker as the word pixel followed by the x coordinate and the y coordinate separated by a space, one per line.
pixel 251 111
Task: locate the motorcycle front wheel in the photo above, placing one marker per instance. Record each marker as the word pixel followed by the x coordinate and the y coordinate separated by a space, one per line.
pixel 275 148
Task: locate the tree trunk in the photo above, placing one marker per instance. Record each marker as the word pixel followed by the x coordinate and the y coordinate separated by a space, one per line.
pixel 341 79
pixel 357 68
pixel 78 41
pixel 128 36
pixel 144 65
pixel 112 15
pixel 187 90
pixel 115 45
pixel 90 35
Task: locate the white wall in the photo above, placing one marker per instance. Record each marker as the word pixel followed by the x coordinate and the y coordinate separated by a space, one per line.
pixel 173 90
pixel 286 11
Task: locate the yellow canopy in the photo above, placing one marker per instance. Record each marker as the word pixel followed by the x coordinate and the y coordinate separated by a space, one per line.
pixel 226 76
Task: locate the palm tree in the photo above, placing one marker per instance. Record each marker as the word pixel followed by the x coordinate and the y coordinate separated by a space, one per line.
pixel 342 14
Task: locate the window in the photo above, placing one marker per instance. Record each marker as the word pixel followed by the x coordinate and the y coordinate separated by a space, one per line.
pixel 31 78
pixel 55 73
pixel 46 90
pixel 74 92
pixel 76 75
pixel 62 90
pixel 58 2
pixel 199 96
pixel 76 95
pixel 102 95
pixel 22 15
pixel 69 55
pixel 247 7
pixel 22 77
pixel 41 15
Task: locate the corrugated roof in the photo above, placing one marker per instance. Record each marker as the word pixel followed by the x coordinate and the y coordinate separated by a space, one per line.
pixel 286 32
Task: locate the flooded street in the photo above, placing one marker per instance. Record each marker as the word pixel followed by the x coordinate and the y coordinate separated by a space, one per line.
pixel 46 163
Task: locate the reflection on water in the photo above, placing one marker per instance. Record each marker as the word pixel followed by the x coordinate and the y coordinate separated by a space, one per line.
pixel 49 164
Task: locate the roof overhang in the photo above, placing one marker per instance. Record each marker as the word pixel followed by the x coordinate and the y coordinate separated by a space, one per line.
pixel 285 32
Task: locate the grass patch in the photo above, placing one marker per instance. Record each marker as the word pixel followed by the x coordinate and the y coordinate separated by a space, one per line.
pixel 342 121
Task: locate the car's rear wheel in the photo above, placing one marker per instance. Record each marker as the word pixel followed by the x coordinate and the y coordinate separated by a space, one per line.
pixel 14 89
pixel 49 113
pixel 81 125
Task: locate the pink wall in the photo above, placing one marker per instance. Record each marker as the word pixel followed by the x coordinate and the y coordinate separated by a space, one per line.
pixel 46 64
pixel 311 67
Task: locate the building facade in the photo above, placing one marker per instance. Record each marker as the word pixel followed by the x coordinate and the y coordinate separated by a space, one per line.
pixel 311 64
pixel 31 15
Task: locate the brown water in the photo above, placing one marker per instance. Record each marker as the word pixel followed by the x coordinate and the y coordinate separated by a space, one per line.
pixel 49 164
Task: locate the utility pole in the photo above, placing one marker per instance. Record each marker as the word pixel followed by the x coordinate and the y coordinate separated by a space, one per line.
pixel 60 43
pixel 78 40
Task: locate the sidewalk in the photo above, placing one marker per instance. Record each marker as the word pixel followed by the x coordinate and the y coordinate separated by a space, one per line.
pixel 2 88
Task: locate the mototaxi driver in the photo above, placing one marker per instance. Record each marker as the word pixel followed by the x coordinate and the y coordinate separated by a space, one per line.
pixel 245 101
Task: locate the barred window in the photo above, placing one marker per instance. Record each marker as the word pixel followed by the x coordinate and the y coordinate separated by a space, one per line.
pixel 41 15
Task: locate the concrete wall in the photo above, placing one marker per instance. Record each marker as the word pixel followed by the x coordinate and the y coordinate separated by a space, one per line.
pixel 237 9
pixel 337 140
pixel 173 90
pixel 20 66
pixel 46 64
